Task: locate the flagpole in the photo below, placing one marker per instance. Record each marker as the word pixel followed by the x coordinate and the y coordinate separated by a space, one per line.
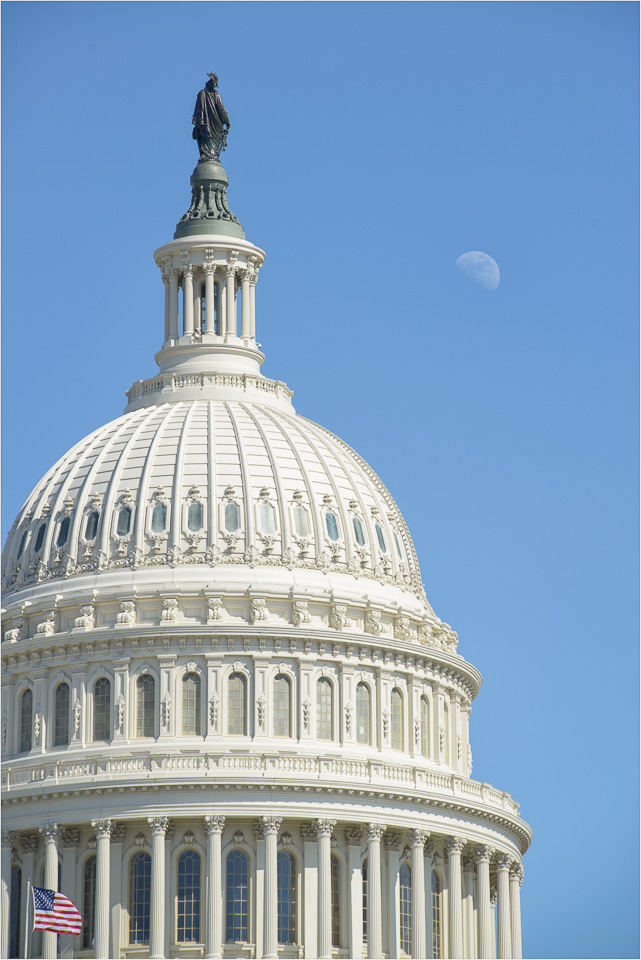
pixel 26 920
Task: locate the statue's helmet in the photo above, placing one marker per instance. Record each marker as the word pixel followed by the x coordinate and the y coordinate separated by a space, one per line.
pixel 213 77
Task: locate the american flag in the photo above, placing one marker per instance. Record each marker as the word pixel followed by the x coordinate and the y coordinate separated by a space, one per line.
pixel 54 911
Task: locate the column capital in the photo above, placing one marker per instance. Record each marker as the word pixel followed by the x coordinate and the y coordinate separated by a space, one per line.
pixel 502 861
pixel 259 830
pixel 375 831
pixel 482 853
pixel 50 832
pixel 209 268
pixel 70 837
pixel 158 825
pixel 102 828
pixel 468 863
pixel 392 841
pixel 354 836
pixel 188 269
pixel 271 824
pixel 8 836
pixel 418 837
pixel 309 832
pixel 214 824
pixel 29 843
pixel 454 844
pixel 325 827
pixel 516 871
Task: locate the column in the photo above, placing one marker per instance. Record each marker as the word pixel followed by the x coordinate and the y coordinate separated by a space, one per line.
pixel 115 886
pixel 245 307
pixel 197 308
pixel 354 837
pixel 174 276
pixel 482 856
pixel 252 304
pixel 210 271
pixel 454 845
pixel 417 839
pixel 7 846
pixel 214 827
pixel 188 300
pixel 374 906
pixel 165 280
pixel 230 284
pixel 503 929
pixel 271 826
pixel 259 899
pixel 50 834
pixel 325 828
pixel 103 835
pixel 393 846
pixel 69 838
pixel 29 845
pixel 516 879
pixel 158 827
pixel 469 919
pixel 310 890
pixel 493 899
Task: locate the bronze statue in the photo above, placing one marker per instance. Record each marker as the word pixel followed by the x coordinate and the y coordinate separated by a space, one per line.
pixel 211 121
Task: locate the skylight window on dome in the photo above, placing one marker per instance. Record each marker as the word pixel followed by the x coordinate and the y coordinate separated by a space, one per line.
pixel 41 536
pixel 232 517
pixel 331 524
pixel 266 518
pixel 358 531
pixel 22 544
pixel 301 521
pixel 195 515
pixel 380 538
pixel 63 532
pixel 91 526
pixel 397 544
pixel 124 521
pixel 159 518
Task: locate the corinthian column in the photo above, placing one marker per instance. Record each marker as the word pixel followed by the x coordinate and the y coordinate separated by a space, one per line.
pixel 325 828
pixel 516 878
pixel 174 276
pixel 271 826
pixel 454 845
pixel 230 277
pixel 188 299
pixel 482 856
pixel 503 928
pixel 392 845
pixel 374 903
pixel 50 834
pixel 210 271
pixel 7 846
pixel 103 835
pixel 252 304
pixel 214 827
pixel 158 827
pixel 417 839
pixel 245 305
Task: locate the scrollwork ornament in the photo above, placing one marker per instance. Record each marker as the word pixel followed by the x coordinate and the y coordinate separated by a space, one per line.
pixel 213 711
pixel 261 703
pixel 348 716
pixel 259 609
pixel 300 613
pixel 307 708
pixel 165 711
pixel 77 716
pixel 373 623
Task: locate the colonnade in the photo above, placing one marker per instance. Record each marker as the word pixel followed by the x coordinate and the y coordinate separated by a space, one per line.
pixel 316 931
pixel 229 277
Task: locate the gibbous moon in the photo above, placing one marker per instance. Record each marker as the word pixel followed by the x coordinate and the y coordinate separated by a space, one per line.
pixel 481 268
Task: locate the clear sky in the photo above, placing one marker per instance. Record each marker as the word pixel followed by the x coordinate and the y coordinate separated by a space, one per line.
pixel 371 145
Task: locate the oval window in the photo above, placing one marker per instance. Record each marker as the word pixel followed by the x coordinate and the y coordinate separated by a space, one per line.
pixel 195 517
pixel 380 538
pixel 41 536
pixel 22 544
pixel 63 532
pixel 159 518
pixel 358 532
pixel 91 527
pixel 332 525
pixel 266 519
pixel 232 517
pixel 124 521
pixel 301 521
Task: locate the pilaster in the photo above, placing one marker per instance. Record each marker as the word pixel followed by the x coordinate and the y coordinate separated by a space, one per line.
pixel 309 834
pixel 69 839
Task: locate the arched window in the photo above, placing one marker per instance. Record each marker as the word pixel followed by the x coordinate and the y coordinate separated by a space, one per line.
pixel 332 525
pixel 190 704
pixel 237 913
pixel 195 517
pixel 380 538
pixel 145 705
pixel 26 721
pixel 324 725
pixel 363 726
pixel 237 705
pixel 63 532
pixel 91 526
pixel 364 874
pixel 89 903
pixel 102 709
pixel 123 525
pixel 405 882
pixel 425 727
pixel 15 911
pixel 40 537
pixel 23 543
pixel 358 532
pixel 282 710
pixel 286 897
pixel 61 716
pixel 336 900
pixel 397 719
pixel 139 897
pixel 188 898
pixel 232 517
pixel 437 930
pixel 159 518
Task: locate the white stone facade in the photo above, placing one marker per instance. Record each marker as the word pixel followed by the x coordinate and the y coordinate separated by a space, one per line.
pixel 232 725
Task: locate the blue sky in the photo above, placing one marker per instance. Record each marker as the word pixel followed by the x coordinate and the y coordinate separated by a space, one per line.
pixel 371 145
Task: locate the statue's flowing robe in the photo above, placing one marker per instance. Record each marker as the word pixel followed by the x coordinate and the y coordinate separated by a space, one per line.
pixel 210 119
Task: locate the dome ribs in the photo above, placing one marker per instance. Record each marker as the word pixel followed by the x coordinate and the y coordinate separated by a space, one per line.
pixel 286 536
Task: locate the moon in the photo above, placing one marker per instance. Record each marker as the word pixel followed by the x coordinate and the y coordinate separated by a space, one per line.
pixel 480 267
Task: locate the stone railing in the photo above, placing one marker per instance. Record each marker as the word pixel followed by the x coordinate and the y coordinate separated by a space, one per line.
pixel 176 382
pixel 340 772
